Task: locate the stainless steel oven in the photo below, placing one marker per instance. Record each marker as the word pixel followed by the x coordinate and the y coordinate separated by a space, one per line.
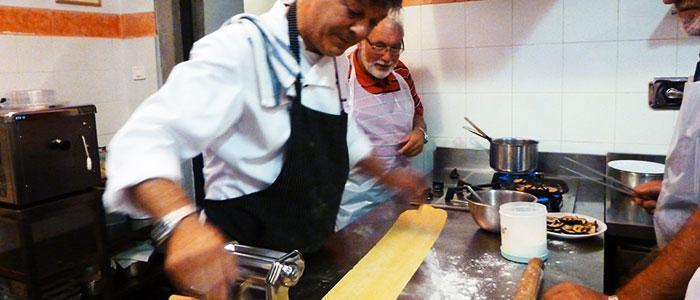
pixel 47 248
pixel 47 153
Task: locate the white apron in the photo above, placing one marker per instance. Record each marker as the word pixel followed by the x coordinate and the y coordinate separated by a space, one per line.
pixel 680 191
pixel 693 290
pixel 387 119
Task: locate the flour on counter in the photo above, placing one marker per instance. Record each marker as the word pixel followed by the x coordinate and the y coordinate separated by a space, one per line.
pixel 454 278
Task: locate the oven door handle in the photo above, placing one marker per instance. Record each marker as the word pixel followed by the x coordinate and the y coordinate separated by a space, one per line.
pixel 59 144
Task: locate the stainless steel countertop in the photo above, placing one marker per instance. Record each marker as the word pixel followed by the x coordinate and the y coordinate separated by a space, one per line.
pixel 465 261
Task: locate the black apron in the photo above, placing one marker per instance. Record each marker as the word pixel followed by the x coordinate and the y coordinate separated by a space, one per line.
pixel 298 211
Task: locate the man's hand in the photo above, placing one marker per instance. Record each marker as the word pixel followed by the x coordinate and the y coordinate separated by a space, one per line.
pixel 572 291
pixel 406 182
pixel 197 262
pixel 648 193
pixel 414 144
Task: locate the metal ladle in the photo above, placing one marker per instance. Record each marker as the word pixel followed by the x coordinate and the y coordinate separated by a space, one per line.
pixel 473 192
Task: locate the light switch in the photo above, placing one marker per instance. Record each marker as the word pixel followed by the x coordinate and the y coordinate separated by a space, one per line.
pixel 138 73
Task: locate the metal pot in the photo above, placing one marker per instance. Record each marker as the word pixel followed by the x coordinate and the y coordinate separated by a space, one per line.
pixel 515 156
pixel 635 172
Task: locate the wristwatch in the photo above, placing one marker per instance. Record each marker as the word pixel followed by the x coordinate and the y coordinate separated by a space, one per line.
pixel 425 135
pixel 163 229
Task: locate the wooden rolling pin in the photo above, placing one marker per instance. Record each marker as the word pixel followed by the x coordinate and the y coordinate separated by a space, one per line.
pixel 529 285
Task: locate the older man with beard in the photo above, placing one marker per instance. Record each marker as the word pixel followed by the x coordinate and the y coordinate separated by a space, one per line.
pixel 675 272
pixel 384 103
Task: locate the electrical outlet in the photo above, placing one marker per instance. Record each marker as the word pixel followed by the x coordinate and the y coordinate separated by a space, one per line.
pixel 666 93
pixel 138 73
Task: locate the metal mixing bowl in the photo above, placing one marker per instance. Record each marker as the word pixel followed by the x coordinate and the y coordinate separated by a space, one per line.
pixel 485 212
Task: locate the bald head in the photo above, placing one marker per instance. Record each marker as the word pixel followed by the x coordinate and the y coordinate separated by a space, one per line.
pixel 688 14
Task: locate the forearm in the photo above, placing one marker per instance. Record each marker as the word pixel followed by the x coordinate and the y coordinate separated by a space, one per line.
pixel 419 122
pixel 159 196
pixel 667 277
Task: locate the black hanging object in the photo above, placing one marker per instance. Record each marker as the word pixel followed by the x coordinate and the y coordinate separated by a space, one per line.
pixel 696 77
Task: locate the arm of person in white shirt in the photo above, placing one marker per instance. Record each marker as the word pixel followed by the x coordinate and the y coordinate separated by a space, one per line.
pixel 666 278
pixel 194 107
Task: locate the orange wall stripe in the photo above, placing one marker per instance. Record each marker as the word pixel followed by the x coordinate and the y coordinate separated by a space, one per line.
pixel 138 25
pixel 47 22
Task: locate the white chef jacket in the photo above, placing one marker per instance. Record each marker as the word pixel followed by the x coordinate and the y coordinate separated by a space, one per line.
pixel 212 104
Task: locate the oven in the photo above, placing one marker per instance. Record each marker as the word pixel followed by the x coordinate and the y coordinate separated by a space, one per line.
pixel 47 249
pixel 47 153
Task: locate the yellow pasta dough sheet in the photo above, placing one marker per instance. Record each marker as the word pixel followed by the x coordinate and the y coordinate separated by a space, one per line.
pixel 386 269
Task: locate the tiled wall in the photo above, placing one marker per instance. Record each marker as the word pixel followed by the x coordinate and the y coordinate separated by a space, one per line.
pixel 83 69
pixel 572 74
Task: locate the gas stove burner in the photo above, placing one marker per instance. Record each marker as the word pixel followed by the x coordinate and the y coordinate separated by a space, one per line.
pixel 548 191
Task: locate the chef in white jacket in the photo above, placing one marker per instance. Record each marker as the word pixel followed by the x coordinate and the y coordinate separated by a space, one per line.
pixel 675 273
pixel 261 98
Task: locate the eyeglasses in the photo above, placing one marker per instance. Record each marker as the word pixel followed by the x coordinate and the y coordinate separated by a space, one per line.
pixel 381 49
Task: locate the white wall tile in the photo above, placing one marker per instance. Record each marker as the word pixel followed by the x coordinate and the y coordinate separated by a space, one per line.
pixel 637 123
pixel 590 20
pixel 590 67
pixel 8 54
pixel 537 68
pixel 490 70
pixel 641 20
pixel 538 116
pixel 443 26
pixel 104 139
pixel 412 27
pixel 537 21
pixel 445 71
pixel 588 118
pixel 111 116
pixel 136 91
pixel 492 113
pixel 137 52
pixel 642 149
pixel 489 23
pixel 428 155
pixel 688 50
pixel 40 80
pixel 89 87
pixel 549 146
pixel 586 148
pixel 77 53
pixel 412 60
pixel 36 54
pixel 641 61
pixel 8 82
pixel 444 114
pixel 452 142
pixel 136 6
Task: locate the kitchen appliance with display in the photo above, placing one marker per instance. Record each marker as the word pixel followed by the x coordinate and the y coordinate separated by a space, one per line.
pixel 47 153
pixel 51 215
